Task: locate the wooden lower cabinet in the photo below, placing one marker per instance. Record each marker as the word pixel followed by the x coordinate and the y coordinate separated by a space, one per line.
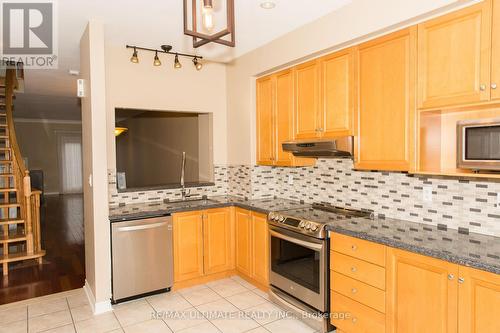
pixel 188 245
pixel 421 292
pixel 478 301
pixel 252 246
pixel 218 241
pixel 203 243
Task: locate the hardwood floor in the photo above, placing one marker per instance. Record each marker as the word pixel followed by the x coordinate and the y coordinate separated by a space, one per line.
pixel 63 267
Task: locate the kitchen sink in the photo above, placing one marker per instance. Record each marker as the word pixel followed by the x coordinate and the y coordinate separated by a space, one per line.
pixel 191 203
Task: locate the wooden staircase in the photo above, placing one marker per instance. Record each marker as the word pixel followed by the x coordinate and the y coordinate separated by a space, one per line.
pixel 20 237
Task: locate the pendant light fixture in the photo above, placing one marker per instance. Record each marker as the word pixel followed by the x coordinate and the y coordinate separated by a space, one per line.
pixel 177 63
pixel 156 61
pixel 134 58
pixel 206 11
pixel 166 49
pixel 120 130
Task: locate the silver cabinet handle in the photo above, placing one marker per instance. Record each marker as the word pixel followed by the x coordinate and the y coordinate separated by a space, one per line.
pixel 354 247
pixel 461 280
pixel 493 86
pixel 482 87
pixel 142 227
pixel 354 290
pixel 354 269
pixel 451 277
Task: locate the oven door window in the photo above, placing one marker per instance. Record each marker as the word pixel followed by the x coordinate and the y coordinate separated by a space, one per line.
pixel 296 263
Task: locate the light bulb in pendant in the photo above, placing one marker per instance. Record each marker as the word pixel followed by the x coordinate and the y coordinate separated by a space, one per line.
pixel 157 61
pixel 207 15
pixel 134 59
pixel 177 63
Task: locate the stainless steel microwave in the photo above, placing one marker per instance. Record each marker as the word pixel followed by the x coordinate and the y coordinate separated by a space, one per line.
pixel 478 144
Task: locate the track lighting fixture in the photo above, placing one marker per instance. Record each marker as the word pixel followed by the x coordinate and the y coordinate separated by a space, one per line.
pixel 198 65
pixel 134 58
pixel 157 61
pixel 177 63
pixel 168 50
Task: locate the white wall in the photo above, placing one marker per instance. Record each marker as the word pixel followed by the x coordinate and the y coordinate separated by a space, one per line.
pixel 143 86
pixel 95 182
pixel 357 21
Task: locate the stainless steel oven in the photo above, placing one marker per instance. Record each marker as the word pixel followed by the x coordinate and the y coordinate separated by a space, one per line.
pixel 299 266
pixel 478 144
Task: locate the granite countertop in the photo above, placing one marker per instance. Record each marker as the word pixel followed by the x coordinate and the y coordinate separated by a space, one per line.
pixel 473 250
pixel 161 208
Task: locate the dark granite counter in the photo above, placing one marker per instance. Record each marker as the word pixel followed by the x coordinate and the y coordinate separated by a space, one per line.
pixel 473 250
pixel 161 208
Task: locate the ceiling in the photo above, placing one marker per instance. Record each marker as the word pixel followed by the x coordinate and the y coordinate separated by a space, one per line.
pixel 151 23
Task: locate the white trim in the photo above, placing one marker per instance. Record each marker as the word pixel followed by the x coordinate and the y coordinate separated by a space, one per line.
pixel 47 121
pixel 97 308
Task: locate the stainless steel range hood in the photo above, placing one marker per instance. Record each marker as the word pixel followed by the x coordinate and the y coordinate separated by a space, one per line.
pixel 341 147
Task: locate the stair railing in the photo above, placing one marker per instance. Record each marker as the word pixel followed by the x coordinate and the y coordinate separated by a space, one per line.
pixel 27 198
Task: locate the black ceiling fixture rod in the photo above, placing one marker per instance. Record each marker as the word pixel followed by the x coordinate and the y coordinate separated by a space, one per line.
pixel 164 49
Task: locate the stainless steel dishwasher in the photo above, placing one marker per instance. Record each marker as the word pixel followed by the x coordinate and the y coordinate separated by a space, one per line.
pixel 142 257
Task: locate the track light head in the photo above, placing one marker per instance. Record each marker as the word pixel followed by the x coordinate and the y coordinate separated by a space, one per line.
pixel 177 63
pixel 156 61
pixel 134 59
pixel 198 65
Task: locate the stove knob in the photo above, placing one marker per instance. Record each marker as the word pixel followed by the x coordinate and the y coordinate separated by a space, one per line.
pixel 281 219
pixel 314 227
pixel 308 225
pixel 272 216
pixel 302 224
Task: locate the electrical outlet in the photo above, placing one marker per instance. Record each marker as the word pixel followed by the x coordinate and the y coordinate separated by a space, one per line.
pixel 290 179
pixel 427 194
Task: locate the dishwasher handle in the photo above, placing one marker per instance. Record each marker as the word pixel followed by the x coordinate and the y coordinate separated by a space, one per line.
pixel 142 227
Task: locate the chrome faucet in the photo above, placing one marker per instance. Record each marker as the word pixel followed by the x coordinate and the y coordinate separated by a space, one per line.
pixel 185 194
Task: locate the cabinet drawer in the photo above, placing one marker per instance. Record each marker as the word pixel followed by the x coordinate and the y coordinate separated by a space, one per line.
pixel 358 248
pixel 358 318
pixel 358 291
pixel 358 269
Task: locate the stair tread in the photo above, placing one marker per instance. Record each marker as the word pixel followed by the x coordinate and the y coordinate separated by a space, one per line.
pixel 10 204
pixel 6 174
pixel 11 257
pixel 5 161
pixel 17 237
pixel 8 189
pixel 11 221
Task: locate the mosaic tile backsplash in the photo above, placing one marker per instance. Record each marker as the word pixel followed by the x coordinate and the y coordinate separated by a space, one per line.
pixel 465 204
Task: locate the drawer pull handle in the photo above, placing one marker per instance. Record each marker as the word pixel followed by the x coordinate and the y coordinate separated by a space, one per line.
pixel 354 290
pixel 354 320
pixel 461 280
pixel 451 277
pixel 354 269
pixel 354 247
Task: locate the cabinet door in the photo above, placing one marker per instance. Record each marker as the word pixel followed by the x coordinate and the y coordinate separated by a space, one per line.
pixel 495 54
pixel 337 94
pixel 421 294
pixel 478 301
pixel 386 102
pixel 217 235
pixel 243 222
pixel 260 244
pixel 265 121
pixel 454 58
pixel 284 116
pixel 188 245
pixel 307 100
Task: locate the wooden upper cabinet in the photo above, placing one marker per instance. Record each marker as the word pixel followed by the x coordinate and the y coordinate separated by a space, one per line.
pixel 217 234
pixel 479 301
pixel 260 244
pixel 188 245
pixel 495 52
pixel 265 121
pixel 422 294
pixel 284 116
pixel 243 223
pixel 307 118
pixel 454 58
pixel 337 93
pixel 386 111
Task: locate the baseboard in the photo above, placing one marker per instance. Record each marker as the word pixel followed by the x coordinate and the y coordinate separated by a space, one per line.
pixel 97 308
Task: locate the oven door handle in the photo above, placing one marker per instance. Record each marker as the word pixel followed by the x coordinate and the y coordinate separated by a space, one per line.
pixel 312 246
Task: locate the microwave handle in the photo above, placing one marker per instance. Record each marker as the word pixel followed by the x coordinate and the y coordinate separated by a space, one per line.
pixel 312 246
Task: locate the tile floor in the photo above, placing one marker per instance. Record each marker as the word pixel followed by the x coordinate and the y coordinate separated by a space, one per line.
pixel 230 305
